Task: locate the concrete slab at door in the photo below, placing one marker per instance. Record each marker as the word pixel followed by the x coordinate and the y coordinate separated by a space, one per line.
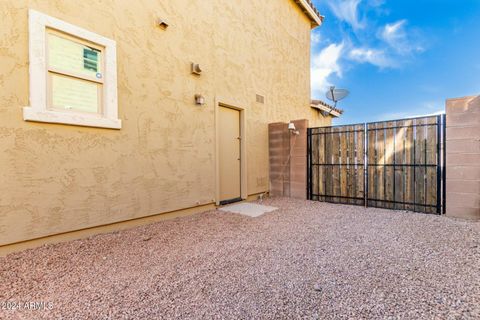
pixel 229 154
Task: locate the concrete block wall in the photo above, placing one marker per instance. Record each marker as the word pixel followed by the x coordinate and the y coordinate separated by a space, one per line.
pixel 288 159
pixel 279 146
pixel 463 157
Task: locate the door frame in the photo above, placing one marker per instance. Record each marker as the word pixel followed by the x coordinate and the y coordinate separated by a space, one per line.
pixel 225 103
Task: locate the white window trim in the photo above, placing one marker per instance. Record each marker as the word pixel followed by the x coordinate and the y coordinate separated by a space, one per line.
pixel 38 109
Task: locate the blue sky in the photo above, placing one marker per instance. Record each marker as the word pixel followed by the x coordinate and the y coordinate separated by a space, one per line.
pixel 398 58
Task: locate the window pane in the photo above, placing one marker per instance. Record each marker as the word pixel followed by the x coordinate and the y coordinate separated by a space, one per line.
pixel 74 57
pixel 74 94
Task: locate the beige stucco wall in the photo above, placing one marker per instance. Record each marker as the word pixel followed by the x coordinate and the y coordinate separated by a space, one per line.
pixel 59 178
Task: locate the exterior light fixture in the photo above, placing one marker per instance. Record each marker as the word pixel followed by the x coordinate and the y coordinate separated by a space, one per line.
pixel 199 100
pixel 195 68
pixel 292 129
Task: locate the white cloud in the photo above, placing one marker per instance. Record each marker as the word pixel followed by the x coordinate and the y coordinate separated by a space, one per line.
pixel 373 56
pixel 396 36
pixel 315 38
pixel 395 49
pixel 347 10
pixel 325 64
pixel 394 32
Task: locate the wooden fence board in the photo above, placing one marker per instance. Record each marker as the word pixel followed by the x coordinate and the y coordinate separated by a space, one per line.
pixel 358 158
pixel 372 186
pixel 380 161
pixel 343 137
pixel 389 171
pixel 431 159
pixel 399 160
pixel 321 169
pixel 328 169
pixel 409 195
pixel 420 148
pixel 314 168
pixel 336 160
pixel 352 177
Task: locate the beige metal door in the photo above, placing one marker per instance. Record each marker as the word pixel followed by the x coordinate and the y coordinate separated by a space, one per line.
pixel 229 154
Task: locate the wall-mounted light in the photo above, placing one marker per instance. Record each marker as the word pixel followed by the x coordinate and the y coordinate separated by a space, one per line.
pixel 199 100
pixel 195 68
pixel 292 129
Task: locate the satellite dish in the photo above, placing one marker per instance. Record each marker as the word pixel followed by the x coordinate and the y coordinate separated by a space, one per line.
pixel 336 95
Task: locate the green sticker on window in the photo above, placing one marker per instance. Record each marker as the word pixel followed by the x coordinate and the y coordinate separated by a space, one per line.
pixel 90 59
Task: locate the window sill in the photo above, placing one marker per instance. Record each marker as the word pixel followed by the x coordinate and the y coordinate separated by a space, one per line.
pixel 76 119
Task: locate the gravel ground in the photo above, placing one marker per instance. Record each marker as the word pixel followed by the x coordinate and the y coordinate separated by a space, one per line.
pixel 306 260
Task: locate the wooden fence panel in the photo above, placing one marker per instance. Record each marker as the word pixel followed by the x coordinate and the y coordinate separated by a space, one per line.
pixel 409 168
pixel 400 168
pixel 390 164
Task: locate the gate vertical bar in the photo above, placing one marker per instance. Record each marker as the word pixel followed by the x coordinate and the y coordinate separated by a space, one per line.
pixel 425 175
pixel 309 164
pixel 384 165
pixel 325 170
pixel 439 173
pixel 414 165
pixel 444 171
pixel 394 165
pixel 365 164
pixel 404 168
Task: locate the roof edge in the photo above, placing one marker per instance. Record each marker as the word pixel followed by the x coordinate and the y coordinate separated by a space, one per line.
pixel 312 12
pixel 325 107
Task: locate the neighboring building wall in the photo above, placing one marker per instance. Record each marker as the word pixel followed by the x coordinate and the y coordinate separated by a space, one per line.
pixel 288 159
pixel 463 157
pixel 58 178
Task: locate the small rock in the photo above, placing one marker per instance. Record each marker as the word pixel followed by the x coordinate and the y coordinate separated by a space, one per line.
pixel 317 287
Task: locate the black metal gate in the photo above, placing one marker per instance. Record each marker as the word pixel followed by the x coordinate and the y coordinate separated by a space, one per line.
pixel 398 164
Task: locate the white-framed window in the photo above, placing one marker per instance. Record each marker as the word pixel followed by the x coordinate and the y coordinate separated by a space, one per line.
pixel 73 75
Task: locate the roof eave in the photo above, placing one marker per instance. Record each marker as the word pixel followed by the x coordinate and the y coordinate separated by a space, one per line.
pixel 331 111
pixel 311 12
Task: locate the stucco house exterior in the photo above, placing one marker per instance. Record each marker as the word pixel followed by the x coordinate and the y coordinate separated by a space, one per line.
pixel 117 113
